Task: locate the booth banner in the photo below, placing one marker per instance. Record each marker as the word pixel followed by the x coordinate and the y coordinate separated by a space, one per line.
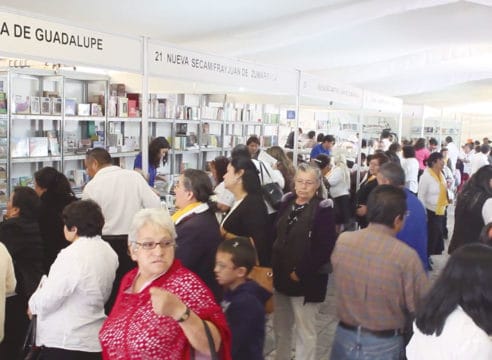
pixel 382 103
pixel 23 36
pixel 181 64
pixel 339 94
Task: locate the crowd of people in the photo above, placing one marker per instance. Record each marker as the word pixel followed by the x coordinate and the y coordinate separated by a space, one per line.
pixel 115 276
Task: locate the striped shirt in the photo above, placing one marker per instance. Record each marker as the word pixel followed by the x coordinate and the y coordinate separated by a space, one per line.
pixel 378 278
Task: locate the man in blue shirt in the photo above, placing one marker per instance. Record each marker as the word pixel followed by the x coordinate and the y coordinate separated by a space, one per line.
pixel 414 231
pixel 324 147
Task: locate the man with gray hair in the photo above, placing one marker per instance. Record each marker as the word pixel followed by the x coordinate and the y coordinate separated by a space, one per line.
pixel 414 231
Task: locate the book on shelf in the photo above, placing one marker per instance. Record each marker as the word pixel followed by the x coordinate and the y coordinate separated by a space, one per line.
pixel 132 108
pixel 136 97
pixel 35 105
pixel 3 147
pixel 112 105
pixel 131 143
pixel 26 181
pixel 53 146
pixel 70 142
pixel 21 104
pixel 96 109
pixel 56 106
pixel 19 147
pixel 3 128
pixel 70 107
pixel 45 105
pixel 38 146
pixel 122 110
pixel 117 90
pixel 84 109
pixel 181 129
pixel 3 103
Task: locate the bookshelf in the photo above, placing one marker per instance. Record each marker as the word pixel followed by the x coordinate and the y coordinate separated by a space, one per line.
pixel 51 118
pixel 201 127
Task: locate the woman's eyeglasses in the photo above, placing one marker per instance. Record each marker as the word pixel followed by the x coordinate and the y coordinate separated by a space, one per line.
pixel 149 245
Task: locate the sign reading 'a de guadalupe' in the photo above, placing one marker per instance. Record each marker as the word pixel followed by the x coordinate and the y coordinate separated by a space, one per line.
pixel 22 36
pixel 166 61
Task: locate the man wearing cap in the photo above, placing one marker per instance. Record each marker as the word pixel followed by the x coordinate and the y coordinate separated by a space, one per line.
pixel 378 281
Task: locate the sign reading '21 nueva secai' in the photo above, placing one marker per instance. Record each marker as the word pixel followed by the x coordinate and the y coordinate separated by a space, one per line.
pixel 22 36
pixel 167 61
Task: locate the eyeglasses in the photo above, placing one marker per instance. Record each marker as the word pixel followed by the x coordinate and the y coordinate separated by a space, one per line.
pixel 222 266
pixel 305 182
pixel 149 245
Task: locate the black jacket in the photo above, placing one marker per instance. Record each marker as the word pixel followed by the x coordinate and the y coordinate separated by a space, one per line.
pixel 250 219
pixel 304 248
pixel 197 242
pixel 23 241
pixel 51 225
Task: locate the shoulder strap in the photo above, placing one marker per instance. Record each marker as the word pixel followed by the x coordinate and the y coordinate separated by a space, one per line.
pixel 213 353
pixel 262 165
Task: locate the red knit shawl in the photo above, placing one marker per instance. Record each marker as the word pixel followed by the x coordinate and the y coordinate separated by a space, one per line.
pixel 134 331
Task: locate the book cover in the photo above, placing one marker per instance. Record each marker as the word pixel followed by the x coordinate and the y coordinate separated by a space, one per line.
pixel 38 146
pixel 70 105
pixel 181 129
pixel 122 110
pixel 53 147
pixel 132 108
pixel 3 103
pixel 96 110
pixel 3 128
pixel 3 148
pixel 19 147
pixel 136 97
pixel 26 181
pixel 57 106
pixel 84 109
pixel 45 106
pixel 21 104
pixel 35 105
pixel 112 105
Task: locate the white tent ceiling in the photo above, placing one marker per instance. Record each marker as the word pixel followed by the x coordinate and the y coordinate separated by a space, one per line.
pixel 433 52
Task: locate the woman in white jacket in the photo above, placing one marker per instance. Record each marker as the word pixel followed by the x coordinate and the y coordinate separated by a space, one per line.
pixel 339 181
pixel 69 303
pixel 454 320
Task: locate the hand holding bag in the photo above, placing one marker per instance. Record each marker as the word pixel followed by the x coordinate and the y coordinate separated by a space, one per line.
pixel 29 349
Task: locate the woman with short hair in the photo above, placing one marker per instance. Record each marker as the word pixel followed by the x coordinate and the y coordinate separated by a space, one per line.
pixel 433 194
pixel 454 320
pixel 197 227
pixel 69 303
pixel 305 238
pixel 161 305
pixel 410 166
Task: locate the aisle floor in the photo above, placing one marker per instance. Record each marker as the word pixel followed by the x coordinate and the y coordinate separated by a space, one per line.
pixel 327 319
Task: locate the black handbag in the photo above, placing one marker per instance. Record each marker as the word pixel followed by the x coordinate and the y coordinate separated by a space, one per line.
pixel 29 349
pixel 272 192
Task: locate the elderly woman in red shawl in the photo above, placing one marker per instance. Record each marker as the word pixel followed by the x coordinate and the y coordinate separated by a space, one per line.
pixel 162 307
